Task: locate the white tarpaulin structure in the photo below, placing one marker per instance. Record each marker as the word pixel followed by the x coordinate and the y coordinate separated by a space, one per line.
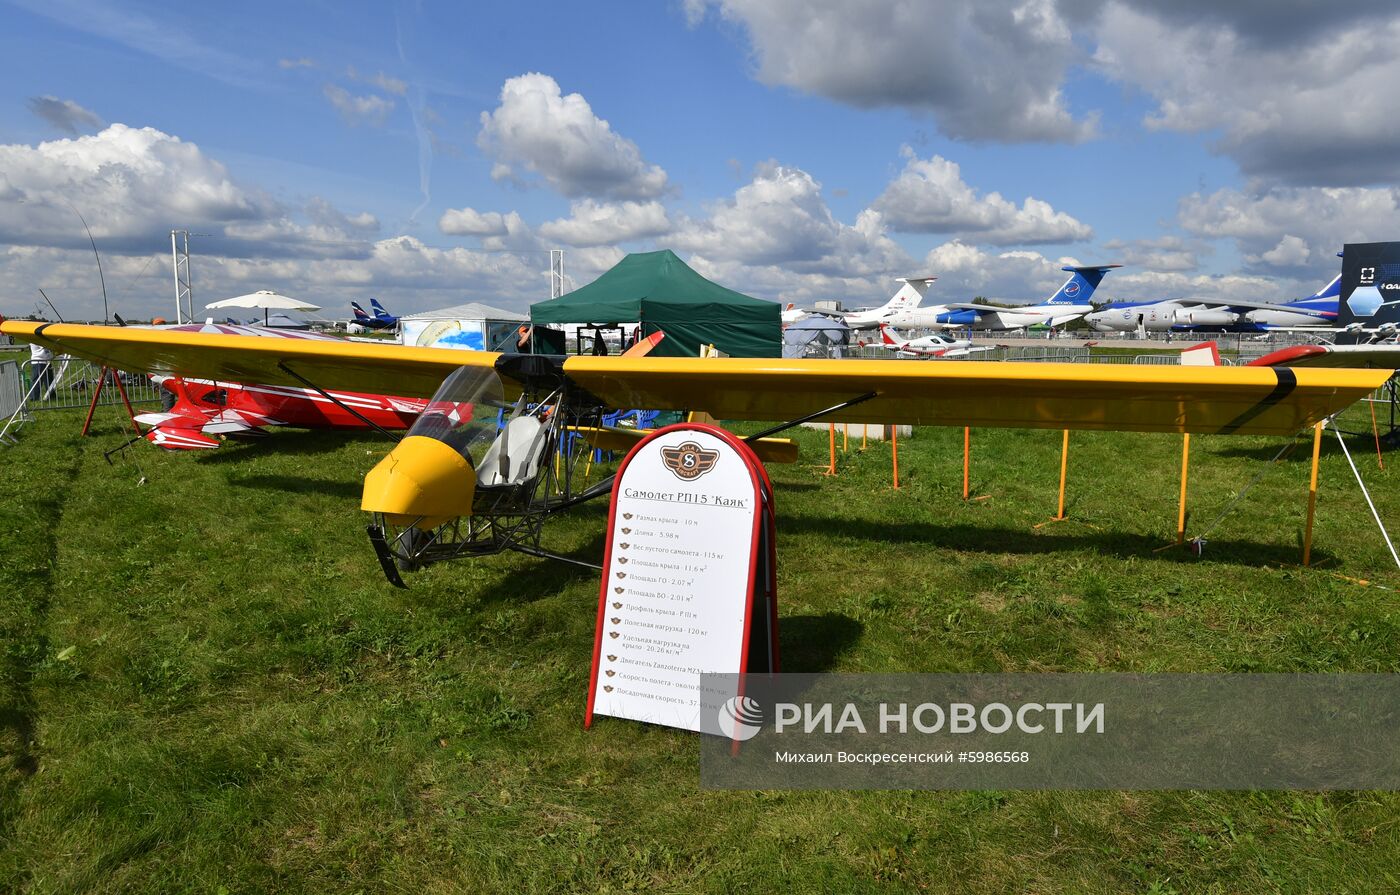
pixel 473 325
pixel 816 336
pixel 265 299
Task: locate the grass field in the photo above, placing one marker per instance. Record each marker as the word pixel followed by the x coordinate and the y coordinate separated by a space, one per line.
pixel 206 686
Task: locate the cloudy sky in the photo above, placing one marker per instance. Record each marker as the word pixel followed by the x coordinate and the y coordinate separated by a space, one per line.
pixel 431 153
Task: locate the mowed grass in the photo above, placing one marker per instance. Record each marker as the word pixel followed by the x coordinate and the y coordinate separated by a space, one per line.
pixel 206 686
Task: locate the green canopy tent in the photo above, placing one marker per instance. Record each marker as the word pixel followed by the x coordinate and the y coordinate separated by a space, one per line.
pixel 661 291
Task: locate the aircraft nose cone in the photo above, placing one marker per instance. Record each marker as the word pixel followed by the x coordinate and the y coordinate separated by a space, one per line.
pixel 421 481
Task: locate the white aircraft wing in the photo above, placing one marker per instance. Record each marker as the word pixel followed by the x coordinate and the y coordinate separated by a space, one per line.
pixel 1267 306
pixel 1047 310
pixel 971 349
pixel 970 306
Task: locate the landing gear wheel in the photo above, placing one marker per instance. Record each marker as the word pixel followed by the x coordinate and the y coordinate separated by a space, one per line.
pixel 413 540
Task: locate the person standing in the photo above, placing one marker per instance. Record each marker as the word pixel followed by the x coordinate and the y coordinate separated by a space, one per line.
pixel 40 371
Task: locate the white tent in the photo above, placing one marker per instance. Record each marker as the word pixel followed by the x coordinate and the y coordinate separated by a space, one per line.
pixel 472 325
pixel 266 300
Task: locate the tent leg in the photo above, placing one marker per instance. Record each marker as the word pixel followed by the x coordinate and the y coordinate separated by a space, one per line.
pixel 1181 509
pixel 1312 494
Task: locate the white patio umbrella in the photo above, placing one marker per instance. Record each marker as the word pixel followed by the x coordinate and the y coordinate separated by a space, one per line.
pixel 264 299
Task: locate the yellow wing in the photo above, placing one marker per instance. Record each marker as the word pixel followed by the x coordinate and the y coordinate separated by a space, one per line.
pixel 350 366
pixel 1227 400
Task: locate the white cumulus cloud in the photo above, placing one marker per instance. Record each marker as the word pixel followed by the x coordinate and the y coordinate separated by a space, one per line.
pixel 930 196
pixel 781 218
pixel 592 223
pixel 991 70
pixel 1307 102
pixel 129 183
pixel 368 109
pixel 1015 277
pixel 470 222
pixel 537 130
pixel 1288 227
pixel 1164 253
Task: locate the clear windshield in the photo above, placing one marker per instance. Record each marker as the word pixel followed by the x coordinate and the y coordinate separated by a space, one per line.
pixel 463 413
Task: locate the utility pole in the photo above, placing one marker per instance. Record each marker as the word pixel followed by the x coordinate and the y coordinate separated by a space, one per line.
pixel 556 273
pixel 184 288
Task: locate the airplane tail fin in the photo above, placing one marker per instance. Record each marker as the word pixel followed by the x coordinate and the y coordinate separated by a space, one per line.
pixel 919 284
pixel 1331 290
pixel 1081 284
pixel 359 311
pixel 910 293
pixel 887 338
pixel 378 308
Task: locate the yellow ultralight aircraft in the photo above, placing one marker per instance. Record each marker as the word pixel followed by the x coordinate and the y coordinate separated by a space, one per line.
pixel 476 474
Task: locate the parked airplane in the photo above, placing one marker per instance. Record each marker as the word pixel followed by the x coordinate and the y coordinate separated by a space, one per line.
pixel 381 319
pixel 905 299
pixel 1070 302
pixel 469 487
pixel 1317 310
pixel 928 346
pixel 205 409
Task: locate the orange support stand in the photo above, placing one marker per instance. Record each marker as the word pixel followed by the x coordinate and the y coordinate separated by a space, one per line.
pixel 831 468
pixel 894 444
pixel 845 436
pixel 92 405
pixel 1064 470
pixel 1312 495
pixel 97 393
pixel 1181 510
pixel 967 459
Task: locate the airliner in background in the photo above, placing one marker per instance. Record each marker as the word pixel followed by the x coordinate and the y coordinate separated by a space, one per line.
pixel 905 299
pixel 1318 310
pixel 381 319
pixel 1069 303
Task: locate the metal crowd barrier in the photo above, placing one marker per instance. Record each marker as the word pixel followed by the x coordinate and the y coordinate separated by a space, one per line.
pixel 71 382
pixel 11 388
